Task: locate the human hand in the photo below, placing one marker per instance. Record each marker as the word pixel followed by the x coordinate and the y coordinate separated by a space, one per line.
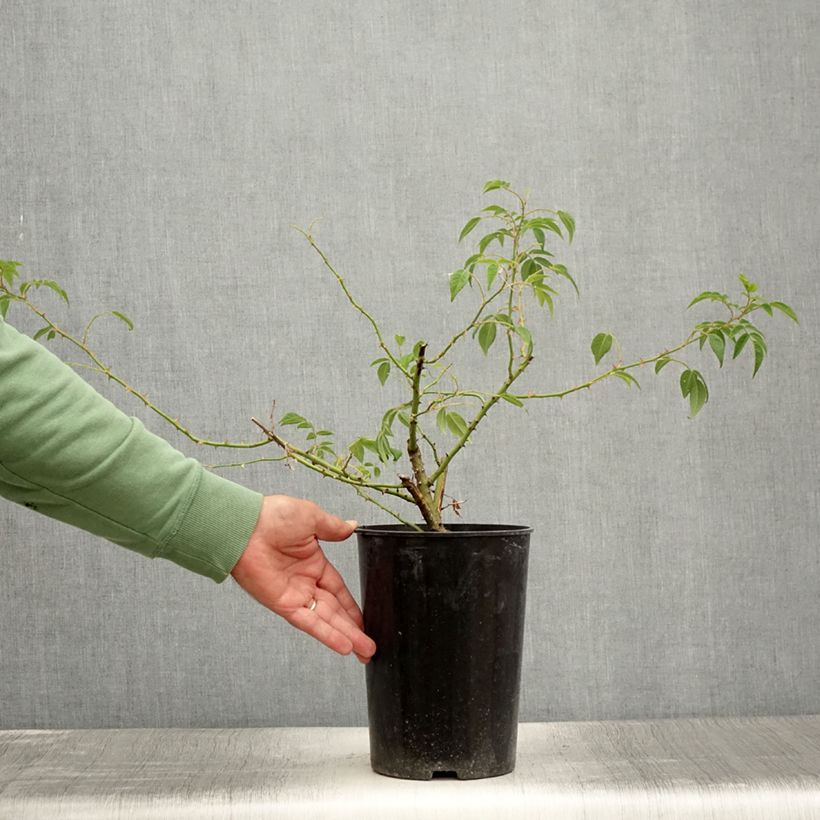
pixel 283 567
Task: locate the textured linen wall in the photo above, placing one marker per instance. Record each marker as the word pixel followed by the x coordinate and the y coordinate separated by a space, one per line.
pixel 154 158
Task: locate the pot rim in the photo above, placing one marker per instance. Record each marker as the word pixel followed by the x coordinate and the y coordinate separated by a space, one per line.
pixel 454 530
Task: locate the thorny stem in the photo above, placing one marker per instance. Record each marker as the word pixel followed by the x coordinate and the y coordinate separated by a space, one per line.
pixel 445 462
pixel 514 270
pixel 387 509
pixel 484 303
pixel 308 459
pixel 690 339
pixel 105 370
pixel 382 344
pixel 420 488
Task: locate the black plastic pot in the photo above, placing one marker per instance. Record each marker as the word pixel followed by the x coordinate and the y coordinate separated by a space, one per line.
pixel 447 613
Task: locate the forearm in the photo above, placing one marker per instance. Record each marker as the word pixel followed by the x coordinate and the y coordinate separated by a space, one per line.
pixel 69 453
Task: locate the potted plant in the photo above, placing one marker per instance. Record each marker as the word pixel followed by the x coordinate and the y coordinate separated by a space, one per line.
pixel 445 601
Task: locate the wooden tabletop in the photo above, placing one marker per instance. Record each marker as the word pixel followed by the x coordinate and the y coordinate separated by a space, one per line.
pixel 761 767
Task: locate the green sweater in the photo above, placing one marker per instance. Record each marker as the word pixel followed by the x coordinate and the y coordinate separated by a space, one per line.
pixel 69 453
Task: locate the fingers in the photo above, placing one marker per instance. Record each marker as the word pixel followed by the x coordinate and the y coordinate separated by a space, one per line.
pixel 308 621
pixel 331 610
pixel 330 528
pixel 332 627
pixel 333 583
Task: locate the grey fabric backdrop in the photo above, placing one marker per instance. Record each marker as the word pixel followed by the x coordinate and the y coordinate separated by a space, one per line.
pixel 154 157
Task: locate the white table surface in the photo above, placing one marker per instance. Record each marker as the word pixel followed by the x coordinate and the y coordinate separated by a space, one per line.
pixel 762 767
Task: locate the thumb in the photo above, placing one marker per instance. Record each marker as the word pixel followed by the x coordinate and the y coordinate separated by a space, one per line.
pixel 331 528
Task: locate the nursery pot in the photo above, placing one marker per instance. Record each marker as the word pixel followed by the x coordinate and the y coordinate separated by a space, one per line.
pixel 446 611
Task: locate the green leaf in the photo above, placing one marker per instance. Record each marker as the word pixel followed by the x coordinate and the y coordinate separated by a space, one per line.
pixel 569 223
pixel 492 272
pixel 8 270
pixel 718 345
pixel 528 269
pixel 458 279
pixel 698 397
pixel 525 334
pixel 456 424
pixel 42 331
pixel 712 296
pixel 767 307
pixel 5 301
pixel 740 343
pixel 542 294
pixel 124 318
pixel 562 271
pixel 292 418
pixel 545 222
pixel 511 399
pixel 470 263
pixel 387 421
pixel 51 334
pixel 626 377
pixel 503 319
pixel 491 237
pixel 383 448
pixel 601 345
pixel 399 340
pixel 494 184
pixel 784 308
pixel 441 419
pixel 661 363
pixel 50 283
pixel 403 418
pixel 760 352
pixel 750 287
pixel 694 387
pixel 357 450
pixel 539 235
pixel 325 450
pixel 468 227
pixel 383 372
pixel 486 335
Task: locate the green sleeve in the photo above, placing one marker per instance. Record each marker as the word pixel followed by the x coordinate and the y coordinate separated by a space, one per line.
pixel 69 453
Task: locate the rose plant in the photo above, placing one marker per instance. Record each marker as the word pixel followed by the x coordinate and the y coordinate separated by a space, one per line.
pixel 513 271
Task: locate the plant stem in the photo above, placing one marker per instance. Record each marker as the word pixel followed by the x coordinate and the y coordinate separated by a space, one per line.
pixel 445 462
pixel 106 371
pixel 327 469
pixel 485 302
pixel 387 509
pixel 354 303
pixel 691 339
pixel 420 487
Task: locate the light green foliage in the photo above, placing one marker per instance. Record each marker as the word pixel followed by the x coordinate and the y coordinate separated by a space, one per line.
pixel 512 274
pixel 601 345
